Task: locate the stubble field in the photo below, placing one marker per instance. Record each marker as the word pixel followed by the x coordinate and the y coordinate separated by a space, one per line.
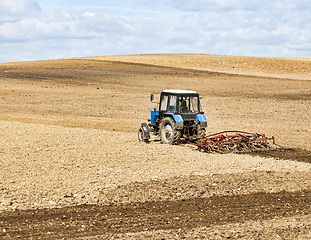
pixel 72 167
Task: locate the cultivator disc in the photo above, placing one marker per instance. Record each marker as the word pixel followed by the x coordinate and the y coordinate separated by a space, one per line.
pixel 234 141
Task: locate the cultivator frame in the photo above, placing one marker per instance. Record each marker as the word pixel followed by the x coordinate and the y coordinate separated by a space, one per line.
pixel 234 141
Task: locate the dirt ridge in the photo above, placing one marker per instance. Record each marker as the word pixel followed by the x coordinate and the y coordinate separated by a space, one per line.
pixel 137 217
pixel 277 67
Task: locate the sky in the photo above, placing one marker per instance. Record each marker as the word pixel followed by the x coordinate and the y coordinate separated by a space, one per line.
pixel 46 29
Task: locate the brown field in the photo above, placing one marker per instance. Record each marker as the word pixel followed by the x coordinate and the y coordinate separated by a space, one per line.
pixel 72 167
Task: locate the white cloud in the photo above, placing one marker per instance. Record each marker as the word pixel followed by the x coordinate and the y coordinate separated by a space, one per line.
pixel 259 28
pixel 230 5
pixel 14 10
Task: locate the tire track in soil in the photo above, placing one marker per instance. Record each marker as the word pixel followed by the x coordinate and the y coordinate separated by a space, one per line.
pixel 92 220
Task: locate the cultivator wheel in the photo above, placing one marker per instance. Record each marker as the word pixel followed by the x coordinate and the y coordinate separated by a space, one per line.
pixel 234 141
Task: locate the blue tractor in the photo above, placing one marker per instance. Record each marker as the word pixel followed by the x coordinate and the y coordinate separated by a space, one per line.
pixel 179 116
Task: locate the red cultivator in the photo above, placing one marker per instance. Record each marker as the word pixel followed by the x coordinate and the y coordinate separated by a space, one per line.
pixel 234 141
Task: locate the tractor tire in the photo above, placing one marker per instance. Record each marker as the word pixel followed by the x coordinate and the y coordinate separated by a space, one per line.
pixel 141 136
pixel 168 133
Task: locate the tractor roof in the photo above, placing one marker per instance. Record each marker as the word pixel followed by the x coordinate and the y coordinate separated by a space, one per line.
pixel 176 91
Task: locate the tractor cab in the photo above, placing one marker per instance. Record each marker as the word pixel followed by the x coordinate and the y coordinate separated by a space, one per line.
pixel 180 102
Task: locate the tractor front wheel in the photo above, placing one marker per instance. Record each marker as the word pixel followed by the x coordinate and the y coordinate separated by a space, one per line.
pixel 168 133
pixel 143 132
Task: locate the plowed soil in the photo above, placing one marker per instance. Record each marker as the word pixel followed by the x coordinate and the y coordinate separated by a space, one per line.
pixel 72 167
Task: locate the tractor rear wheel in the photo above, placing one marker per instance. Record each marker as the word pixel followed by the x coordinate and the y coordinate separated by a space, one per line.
pixel 168 133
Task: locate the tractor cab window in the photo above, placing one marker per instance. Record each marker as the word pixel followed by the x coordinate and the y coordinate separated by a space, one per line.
pixel 194 105
pixel 183 104
pixel 168 103
pixel 164 101
pixel 172 104
pixel 188 104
